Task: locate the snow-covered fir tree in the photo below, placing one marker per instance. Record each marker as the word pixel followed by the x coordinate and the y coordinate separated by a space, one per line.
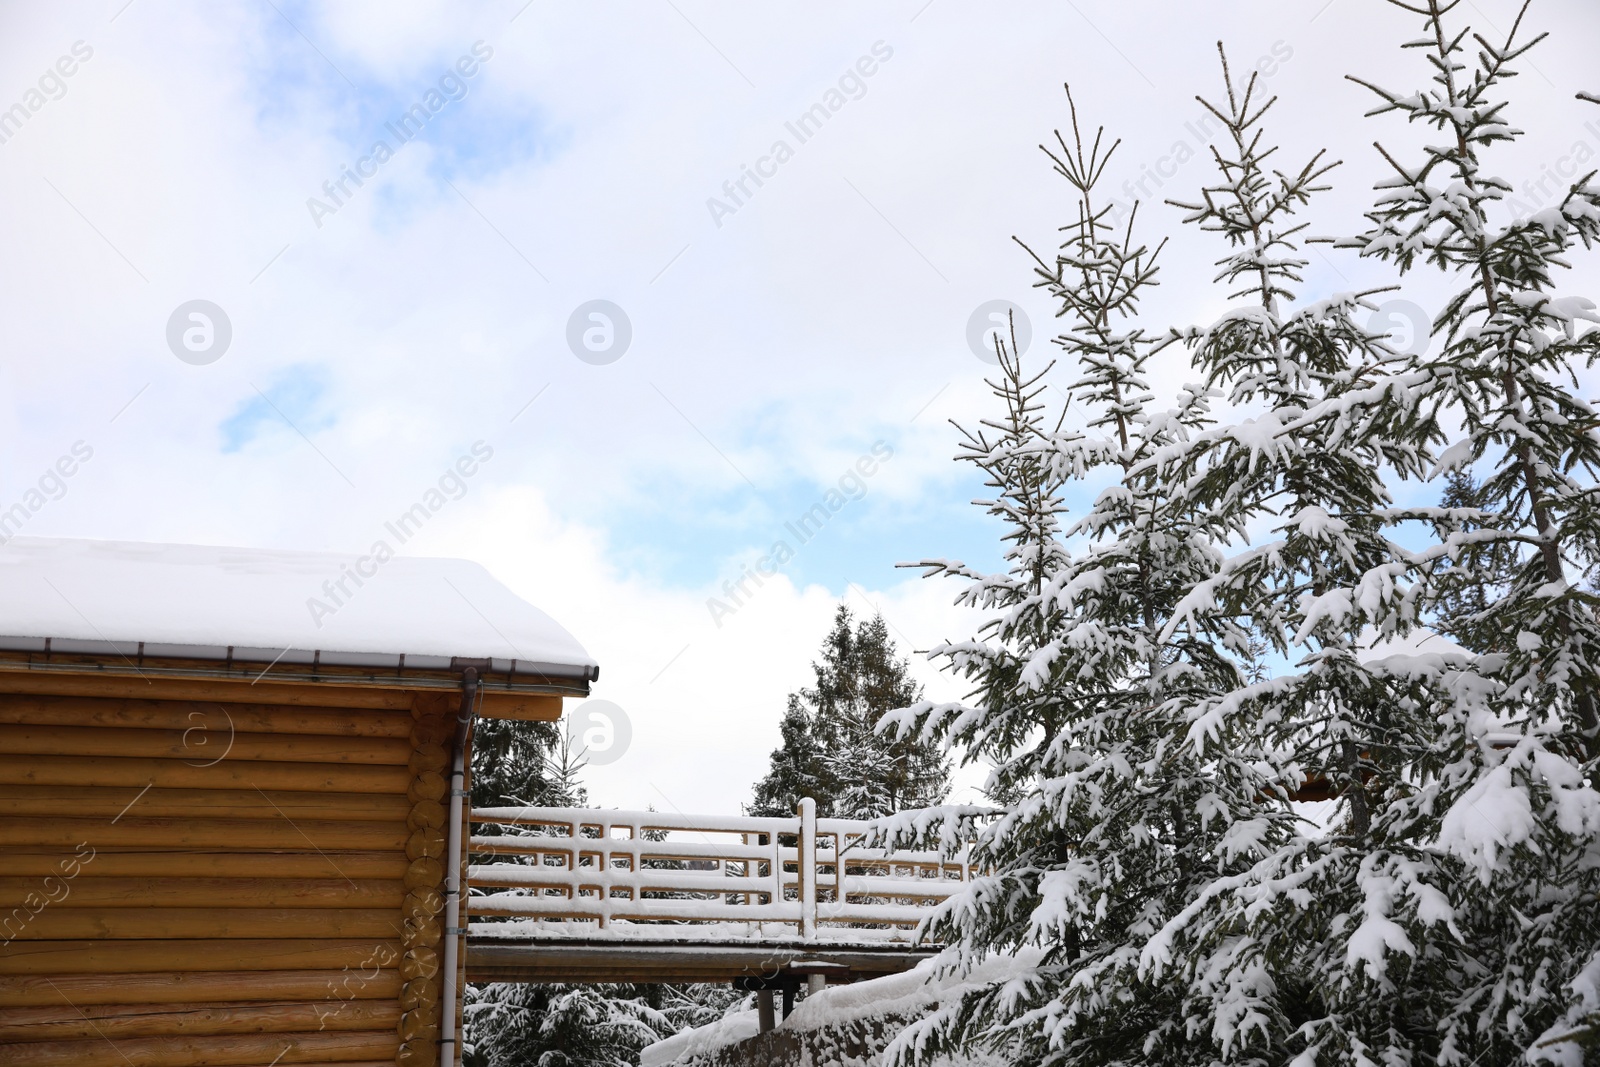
pixel 1317 417
pixel 1449 914
pixel 796 769
pixel 1112 823
pixel 831 749
pixel 1505 957
pixel 1242 619
pixel 583 1025
pixel 516 762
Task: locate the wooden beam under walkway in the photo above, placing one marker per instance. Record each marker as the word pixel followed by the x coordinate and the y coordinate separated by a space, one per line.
pixel 608 960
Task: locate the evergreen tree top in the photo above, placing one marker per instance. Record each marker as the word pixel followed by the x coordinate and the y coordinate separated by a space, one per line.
pixel 832 749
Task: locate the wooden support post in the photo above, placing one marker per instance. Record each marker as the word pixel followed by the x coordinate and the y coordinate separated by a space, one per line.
pixel 765 1010
pixel 816 983
pixel 788 999
pixel 808 868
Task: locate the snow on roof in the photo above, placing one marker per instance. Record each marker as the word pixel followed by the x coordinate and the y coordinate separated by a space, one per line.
pixel 196 601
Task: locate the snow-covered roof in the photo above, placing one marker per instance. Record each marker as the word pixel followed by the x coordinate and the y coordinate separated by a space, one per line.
pixel 261 605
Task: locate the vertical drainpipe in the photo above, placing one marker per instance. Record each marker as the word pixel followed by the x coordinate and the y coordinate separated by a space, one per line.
pixel 454 920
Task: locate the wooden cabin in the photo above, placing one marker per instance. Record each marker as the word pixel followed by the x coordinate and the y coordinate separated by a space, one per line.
pixel 231 820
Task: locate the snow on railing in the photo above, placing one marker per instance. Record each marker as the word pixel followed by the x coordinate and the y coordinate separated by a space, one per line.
pixel 566 872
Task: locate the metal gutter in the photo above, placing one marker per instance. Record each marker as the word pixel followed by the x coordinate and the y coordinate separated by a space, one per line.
pixel 551 683
pixel 397 661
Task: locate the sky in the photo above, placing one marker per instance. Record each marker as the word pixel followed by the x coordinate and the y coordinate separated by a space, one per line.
pixel 795 291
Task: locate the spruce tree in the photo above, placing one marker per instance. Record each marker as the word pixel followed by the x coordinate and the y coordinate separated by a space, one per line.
pixel 1449 910
pixel 1317 418
pixel 583 1025
pixel 832 749
pixel 511 763
pixel 1511 347
pixel 1501 955
pixel 1109 822
pixel 796 768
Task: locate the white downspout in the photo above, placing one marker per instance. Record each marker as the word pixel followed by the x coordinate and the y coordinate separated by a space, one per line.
pixel 454 924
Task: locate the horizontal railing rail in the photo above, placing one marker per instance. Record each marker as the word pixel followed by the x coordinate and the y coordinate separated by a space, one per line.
pixel 565 872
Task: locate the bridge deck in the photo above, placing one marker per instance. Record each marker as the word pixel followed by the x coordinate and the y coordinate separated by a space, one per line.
pixel 512 959
pixel 595 895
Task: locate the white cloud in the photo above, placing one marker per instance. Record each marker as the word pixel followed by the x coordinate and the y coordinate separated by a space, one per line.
pixel 825 314
pixel 704 700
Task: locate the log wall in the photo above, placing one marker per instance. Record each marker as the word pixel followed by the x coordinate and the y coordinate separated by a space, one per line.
pixel 219 874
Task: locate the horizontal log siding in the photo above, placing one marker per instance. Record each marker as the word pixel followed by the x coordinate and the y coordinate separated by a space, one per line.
pixel 183 715
pixel 192 874
pixel 202 744
pixel 199 987
pixel 85 1022
pixel 99 893
pixel 183 1051
pixel 154 863
pixel 89 802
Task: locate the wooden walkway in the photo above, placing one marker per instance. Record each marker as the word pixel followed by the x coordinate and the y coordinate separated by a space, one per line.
pixel 594 895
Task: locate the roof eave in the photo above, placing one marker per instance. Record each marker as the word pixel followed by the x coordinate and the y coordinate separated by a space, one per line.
pixel 291 657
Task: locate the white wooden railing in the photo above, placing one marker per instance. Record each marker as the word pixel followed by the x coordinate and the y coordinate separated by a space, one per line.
pixel 565 872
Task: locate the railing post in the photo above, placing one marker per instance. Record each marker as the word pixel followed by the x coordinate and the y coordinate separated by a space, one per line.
pixel 602 863
pixel 807 869
pixel 839 899
pixel 744 839
pixel 776 842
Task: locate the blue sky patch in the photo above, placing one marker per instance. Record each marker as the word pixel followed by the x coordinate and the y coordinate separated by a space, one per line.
pixel 690 539
pixel 291 402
